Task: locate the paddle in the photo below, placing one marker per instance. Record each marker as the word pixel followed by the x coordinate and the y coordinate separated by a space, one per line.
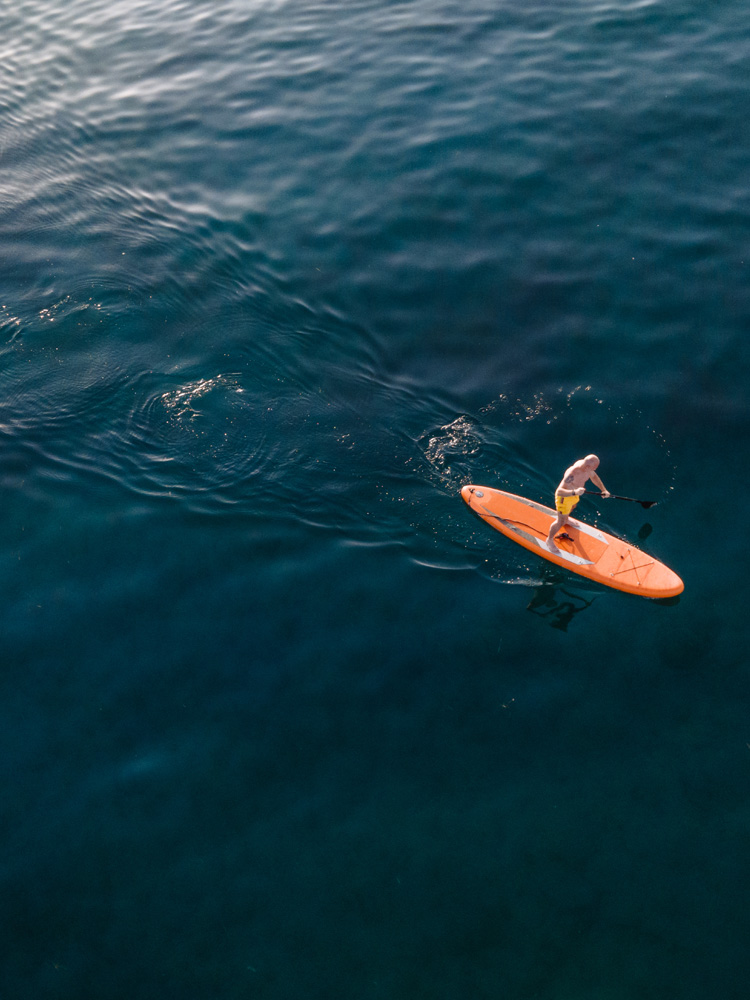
pixel 643 503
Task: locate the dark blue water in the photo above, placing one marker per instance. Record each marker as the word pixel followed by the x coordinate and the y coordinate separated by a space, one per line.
pixel 279 718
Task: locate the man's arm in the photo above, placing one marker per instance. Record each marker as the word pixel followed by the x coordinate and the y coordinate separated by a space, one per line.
pixel 597 482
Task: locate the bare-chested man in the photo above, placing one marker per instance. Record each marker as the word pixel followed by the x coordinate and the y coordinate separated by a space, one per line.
pixel 573 486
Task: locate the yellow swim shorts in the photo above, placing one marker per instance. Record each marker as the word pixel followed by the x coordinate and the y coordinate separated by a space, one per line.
pixel 564 505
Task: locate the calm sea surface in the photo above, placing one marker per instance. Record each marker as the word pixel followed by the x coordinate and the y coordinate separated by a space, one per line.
pixel 279 719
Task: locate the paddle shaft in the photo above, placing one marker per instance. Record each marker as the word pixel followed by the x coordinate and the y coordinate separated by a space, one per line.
pixel 643 503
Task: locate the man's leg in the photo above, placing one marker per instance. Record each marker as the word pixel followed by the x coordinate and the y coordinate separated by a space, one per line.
pixel 560 521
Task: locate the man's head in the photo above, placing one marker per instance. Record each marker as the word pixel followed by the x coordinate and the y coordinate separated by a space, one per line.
pixel 591 461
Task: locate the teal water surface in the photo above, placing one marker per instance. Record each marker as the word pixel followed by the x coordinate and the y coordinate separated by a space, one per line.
pixel 279 717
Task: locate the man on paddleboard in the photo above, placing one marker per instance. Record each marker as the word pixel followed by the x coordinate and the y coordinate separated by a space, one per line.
pixel 572 487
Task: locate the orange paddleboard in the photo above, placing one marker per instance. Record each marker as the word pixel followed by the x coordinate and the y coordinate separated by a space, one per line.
pixel 587 551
